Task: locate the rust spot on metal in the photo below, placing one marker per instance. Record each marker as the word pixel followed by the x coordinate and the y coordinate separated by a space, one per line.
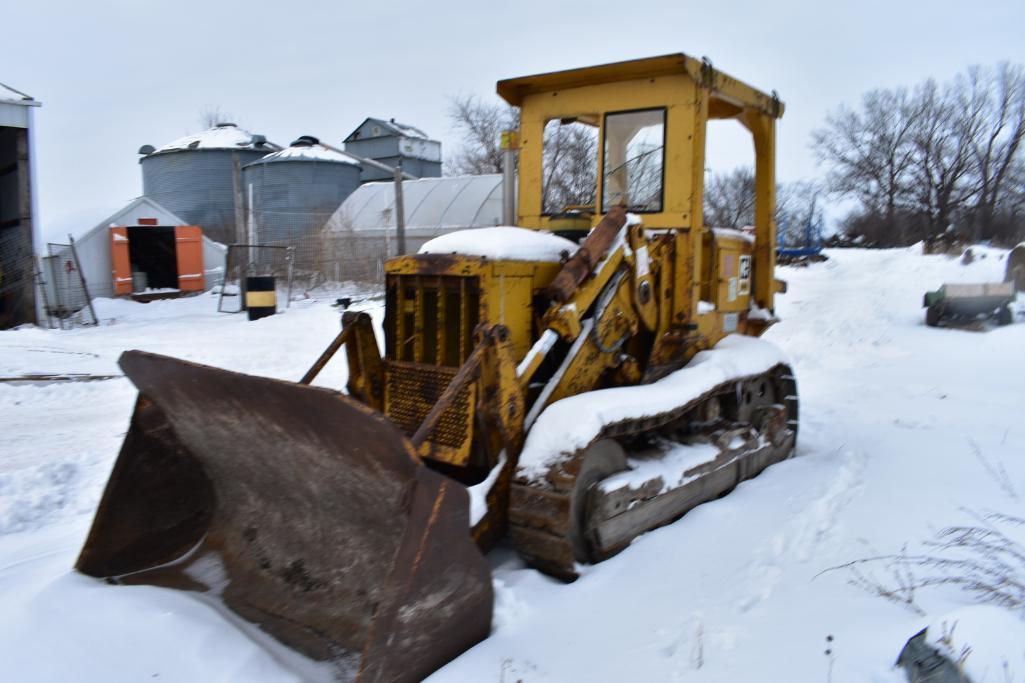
pixel 201 476
pixel 446 264
pixel 582 263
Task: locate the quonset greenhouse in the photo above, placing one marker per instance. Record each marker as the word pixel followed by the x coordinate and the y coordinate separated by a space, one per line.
pixel 362 230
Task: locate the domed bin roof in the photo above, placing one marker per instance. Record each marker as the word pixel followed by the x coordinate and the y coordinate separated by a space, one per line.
pixel 307 148
pixel 223 136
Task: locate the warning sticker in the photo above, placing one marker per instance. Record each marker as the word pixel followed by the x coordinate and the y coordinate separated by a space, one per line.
pixel 731 293
pixel 744 285
pixel 745 267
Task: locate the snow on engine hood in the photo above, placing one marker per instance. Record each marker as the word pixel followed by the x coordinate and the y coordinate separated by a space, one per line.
pixel 502 242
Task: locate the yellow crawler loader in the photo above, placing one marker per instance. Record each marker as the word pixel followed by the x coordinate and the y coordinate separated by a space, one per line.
pixel 565 391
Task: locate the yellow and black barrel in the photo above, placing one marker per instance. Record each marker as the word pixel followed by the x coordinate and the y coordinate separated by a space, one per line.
pixel 261 297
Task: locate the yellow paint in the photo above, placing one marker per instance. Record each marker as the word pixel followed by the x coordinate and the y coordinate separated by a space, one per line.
pixel 261 299
pixel 510 139
pixel 672 262
pixel 692 93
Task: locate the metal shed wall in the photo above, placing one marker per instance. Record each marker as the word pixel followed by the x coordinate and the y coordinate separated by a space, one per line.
pixel 418 155
pixel 417 167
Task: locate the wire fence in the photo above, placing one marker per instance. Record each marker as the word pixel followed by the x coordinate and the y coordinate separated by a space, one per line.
pixel 321 253
pixel 310 254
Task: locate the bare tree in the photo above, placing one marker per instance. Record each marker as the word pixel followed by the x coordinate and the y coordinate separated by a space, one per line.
pixel 798 212
pixel 730 198
pixel 999 94
pixel 872 153
pixel 943 157
pixel 211 114
pixel 941 174
pixel 570 165
pixel 480 124
pixel 569 157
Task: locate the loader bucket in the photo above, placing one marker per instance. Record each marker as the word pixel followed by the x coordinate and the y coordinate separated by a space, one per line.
pixel 303 511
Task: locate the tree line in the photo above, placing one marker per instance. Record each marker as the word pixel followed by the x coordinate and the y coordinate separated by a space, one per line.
pixel 569 150
pixel 916 163
pixel 931 159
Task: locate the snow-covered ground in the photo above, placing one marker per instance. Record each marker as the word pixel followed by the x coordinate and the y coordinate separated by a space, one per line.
pixel 905 430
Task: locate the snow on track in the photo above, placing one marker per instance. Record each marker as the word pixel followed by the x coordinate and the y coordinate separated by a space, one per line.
pixel 903 428
pixel 573 422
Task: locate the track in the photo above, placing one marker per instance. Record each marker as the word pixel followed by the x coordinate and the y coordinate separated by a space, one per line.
pixel 570 516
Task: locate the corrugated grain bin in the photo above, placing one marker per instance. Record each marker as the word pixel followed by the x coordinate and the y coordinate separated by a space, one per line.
pixel 194 176
pixel 295 191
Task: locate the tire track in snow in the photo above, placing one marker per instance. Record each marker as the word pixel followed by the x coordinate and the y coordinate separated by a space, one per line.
pixel 801 535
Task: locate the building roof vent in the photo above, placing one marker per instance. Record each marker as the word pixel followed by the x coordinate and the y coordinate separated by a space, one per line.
pixel 225 125
pixel 147 149
pixel 305 141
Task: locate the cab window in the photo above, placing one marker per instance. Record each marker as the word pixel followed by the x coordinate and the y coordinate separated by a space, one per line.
pixel 633 160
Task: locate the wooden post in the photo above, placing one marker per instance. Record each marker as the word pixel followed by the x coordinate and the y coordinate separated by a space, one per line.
pixel 251 239
pixel 400 214
pixel 41 285
pixel 236 185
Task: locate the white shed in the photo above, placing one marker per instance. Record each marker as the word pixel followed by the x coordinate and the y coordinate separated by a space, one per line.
pixel 141 249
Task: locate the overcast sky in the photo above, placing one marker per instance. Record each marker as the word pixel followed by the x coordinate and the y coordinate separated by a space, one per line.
pixel 113 76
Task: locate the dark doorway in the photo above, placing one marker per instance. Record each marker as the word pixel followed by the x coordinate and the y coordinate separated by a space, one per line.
pixel 17 298
pixel 151 249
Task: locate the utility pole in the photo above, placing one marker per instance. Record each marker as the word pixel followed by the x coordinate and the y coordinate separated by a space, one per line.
pixel 400 214
pixel 398 174
pixel 236 186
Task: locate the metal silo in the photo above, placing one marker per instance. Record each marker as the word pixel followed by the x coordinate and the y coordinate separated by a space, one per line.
pixel 295 191
pixel 194 176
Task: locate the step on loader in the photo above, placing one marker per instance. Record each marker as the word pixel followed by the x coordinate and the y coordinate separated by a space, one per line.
pixel 566 391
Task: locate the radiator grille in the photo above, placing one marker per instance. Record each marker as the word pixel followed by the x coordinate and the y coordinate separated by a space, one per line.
pixel 413 389
pixel 430 318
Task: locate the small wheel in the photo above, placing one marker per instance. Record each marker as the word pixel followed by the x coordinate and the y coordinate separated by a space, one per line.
pixel 1004 315
pixel 602 459
pixel 932 316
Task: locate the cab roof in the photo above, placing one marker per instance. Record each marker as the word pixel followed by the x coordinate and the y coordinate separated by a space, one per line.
pixel 728 92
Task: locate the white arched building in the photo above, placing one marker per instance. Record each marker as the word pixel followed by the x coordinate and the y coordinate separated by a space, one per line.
pixel 364 225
